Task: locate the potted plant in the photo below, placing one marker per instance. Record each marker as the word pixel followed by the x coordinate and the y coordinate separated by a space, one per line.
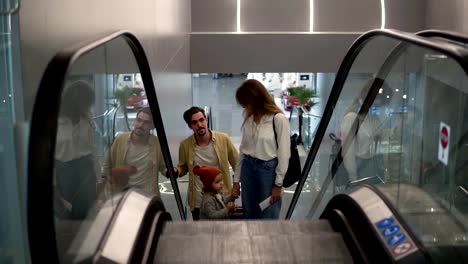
pixel 122 95
pixel 301 96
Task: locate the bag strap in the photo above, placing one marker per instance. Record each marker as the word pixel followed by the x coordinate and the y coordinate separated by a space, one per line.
pixel 274 130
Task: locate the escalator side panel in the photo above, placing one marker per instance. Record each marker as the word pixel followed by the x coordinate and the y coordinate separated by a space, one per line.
pixel 379 230
pixel 87 62
pixel 153 232
pixel 340 224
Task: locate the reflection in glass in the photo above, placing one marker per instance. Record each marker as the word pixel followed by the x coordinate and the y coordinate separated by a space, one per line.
pixel 134 158
pixel 423 91
pixel 106 144
pixel 362 157
pixel 310 124
pixel 75 175
pixel 294 120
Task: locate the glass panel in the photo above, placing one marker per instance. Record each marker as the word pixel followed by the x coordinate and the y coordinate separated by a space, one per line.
pixel 294 120
pixel 366 62
pixel 12 223
pixel 310 123
pixel 106 143
pixel 427 147
pixel 411 142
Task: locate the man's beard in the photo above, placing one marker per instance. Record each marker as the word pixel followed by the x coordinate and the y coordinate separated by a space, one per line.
pixel 139 132
pixel 200 133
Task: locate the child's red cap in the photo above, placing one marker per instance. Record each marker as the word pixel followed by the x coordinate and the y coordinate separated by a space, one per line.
pixel 207 174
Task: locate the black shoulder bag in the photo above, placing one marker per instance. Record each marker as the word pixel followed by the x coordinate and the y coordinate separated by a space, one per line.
pixel 338 170
pixel 293 174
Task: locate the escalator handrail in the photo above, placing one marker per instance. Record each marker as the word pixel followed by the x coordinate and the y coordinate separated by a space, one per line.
pixel 459 54
pixel 150 90
pixel 443 34
pixel 40 214
pixel 352 206
pixel 150 217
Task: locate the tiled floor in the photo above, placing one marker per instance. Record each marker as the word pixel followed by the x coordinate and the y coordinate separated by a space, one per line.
pixel 219 94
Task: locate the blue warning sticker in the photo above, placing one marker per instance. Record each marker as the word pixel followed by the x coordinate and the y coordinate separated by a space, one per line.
pixel 396 239
pixel 391 230
pixel 385 222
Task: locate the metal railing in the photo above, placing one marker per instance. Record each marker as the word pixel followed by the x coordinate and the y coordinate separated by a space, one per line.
pixel 209 116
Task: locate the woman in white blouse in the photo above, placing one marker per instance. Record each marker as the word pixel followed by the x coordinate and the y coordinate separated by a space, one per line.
pixel 263 159
pixel 75 177
pixel 362 158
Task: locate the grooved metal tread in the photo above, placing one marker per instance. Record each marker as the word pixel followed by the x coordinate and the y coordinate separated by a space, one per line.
pixel 251 242
pixel 246 227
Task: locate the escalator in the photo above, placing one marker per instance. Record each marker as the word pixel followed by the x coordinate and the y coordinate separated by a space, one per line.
pixel 405 209
pixel 349 231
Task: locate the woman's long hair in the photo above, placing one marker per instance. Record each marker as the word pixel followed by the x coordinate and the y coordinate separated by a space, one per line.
pixel 255 99
pixel 77 100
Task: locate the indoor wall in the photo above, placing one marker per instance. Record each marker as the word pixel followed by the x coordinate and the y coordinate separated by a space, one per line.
pixel 279 36
pixel 163 27
pixel 447 15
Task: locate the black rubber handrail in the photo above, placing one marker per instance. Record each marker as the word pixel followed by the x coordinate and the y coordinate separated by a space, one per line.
pixel 444 34
pixel 459 54
pixel 361 224
pixel 40 214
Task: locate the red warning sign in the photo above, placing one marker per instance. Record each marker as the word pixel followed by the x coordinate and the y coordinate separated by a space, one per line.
pixel 444 143
pixel 444 137
pixel 402 248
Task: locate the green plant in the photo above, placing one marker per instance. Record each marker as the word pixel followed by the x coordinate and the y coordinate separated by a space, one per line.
pixel 303 95
pixel 122 95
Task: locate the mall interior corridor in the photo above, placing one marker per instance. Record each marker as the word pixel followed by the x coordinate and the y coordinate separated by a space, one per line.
pixel 376 92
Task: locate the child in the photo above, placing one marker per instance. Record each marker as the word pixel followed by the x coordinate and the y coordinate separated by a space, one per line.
pixel 213 205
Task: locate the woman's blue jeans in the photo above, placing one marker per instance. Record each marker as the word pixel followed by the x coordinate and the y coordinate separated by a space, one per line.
pixel 257 179
pixel 76 181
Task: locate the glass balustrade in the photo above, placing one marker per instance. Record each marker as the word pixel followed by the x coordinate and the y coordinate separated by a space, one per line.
pixel 403 130
pixel 13 237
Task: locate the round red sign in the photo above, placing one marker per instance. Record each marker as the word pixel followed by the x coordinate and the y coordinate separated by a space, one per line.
pixel 444 137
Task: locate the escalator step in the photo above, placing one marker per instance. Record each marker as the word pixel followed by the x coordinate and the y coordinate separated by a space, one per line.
pixel 247 227
pixel 288 227
pixel 234 248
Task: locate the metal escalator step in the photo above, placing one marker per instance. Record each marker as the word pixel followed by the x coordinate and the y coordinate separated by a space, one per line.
pixel 320 249
pixel 247 227
pixel 308 248
pixel 204 227
pixel 276 248
pixel 203 249
pixel 288 227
